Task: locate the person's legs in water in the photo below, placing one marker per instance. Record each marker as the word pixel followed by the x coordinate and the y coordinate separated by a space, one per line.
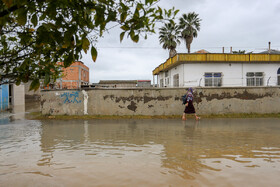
pixel 184 116
pixel 196 117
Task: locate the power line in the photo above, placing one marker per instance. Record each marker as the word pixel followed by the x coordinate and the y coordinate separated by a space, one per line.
pixel 197 48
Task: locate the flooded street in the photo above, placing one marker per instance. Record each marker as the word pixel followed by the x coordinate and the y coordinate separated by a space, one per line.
pixel 212 152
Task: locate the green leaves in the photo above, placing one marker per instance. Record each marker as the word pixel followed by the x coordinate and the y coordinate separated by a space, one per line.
pixel 134 37
pixel 22 16
pixel 35 85
pixel 121 36
pixel 34 20
pixel 8 3
pixel 47 79
pixel 45 32
pixel 148 2
pixel 123 16
pixel 85 44
pixel 93 53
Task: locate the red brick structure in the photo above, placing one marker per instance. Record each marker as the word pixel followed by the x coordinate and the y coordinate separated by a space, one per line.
pixel 74 76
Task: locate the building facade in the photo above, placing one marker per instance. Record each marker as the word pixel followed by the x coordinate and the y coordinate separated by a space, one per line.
pixel 11 96
pixel 73 77
pixel 219 70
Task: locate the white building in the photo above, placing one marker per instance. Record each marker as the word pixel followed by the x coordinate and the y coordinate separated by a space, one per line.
pixel 219 70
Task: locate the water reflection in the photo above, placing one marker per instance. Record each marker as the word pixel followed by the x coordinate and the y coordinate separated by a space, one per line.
pixel 232 152
pixel 15 113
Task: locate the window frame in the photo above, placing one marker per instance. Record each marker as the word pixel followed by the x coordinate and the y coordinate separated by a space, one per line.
pixel 255 79
pixel 161 83
pixel 176 80
pixel 213 79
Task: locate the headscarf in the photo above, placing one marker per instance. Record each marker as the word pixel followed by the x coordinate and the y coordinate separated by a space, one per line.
pixel 190 95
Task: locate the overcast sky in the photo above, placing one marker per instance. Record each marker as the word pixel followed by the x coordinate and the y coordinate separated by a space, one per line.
pixel 243 24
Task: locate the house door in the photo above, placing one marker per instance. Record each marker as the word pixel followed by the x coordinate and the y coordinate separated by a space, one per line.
pixel 4 97
pixel 278 77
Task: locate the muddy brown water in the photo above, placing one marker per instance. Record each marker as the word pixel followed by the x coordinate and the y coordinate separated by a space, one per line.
pixel 211 152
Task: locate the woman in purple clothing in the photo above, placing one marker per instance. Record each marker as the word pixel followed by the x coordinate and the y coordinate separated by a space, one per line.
pixel 189 109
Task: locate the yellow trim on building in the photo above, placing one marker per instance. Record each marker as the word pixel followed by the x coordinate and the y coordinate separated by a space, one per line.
pixel 215 57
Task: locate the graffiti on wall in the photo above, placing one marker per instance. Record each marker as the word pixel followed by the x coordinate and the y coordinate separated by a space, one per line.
pixel 71 97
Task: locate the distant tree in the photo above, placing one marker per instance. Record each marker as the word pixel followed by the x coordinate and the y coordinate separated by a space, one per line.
pixel 189 25
pixel 36 34
pixel 239 52
pixel 169 37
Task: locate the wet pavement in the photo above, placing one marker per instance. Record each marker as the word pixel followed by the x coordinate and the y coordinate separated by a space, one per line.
pixel 211 152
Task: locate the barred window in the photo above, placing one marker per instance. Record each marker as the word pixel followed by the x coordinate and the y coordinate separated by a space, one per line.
pixel 166 74
pixel 161 83
pixel 254 78
pixel 213 79
pixel 167 81
pixel 176 80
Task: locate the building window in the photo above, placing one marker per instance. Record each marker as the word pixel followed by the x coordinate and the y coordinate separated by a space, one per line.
pixel 166 74
pixel 161 83
pixel 254 78
pixel 167 81
pixel 176 80
pixel 213 79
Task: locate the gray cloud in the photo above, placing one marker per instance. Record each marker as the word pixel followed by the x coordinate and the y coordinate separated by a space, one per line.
pixel 243 24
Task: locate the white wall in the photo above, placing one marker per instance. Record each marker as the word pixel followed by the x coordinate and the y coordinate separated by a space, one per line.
pixel 18 95
pixel 233 74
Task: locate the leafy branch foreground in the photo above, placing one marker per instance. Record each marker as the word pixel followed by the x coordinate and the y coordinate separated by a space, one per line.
pixel 35 35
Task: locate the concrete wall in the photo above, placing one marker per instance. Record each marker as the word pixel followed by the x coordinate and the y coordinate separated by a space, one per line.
pixel 31 96
pixel 160 101
pixel 18 95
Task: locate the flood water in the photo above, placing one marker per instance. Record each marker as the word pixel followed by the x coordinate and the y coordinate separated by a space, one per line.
pixel 211 152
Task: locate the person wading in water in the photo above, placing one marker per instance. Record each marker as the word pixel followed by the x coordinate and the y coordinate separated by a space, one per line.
pixel 189 109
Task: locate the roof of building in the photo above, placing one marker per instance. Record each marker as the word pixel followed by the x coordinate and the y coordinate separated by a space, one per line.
pixel 143 80
pixel 202 51
pixel 61 63
pixel 271 51
pixel 215 58
pixel 118 82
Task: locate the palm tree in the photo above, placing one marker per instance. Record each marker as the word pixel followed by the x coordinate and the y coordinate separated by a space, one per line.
pixel 189 24
pixel 169 37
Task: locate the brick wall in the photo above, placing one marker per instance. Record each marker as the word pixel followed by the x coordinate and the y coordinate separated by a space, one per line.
pixel 74 76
